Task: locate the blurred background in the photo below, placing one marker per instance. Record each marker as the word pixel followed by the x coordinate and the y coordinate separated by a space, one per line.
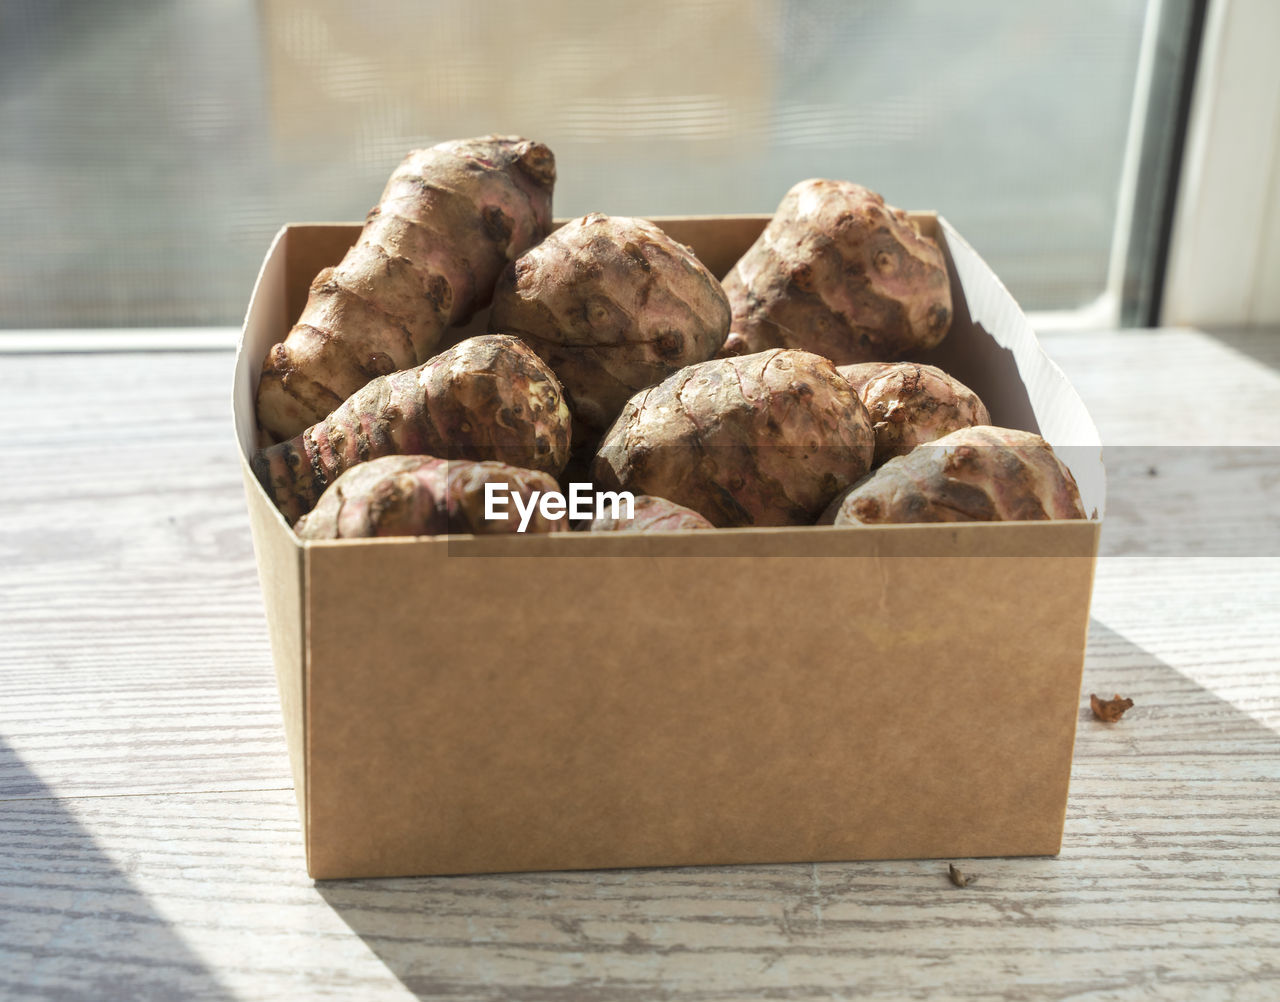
pixel 149 149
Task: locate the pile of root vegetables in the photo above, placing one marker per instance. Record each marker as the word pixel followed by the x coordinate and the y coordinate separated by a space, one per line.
pixel 783 395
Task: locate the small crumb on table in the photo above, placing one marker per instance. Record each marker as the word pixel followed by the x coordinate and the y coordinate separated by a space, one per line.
pixel 958 876
pixel 1109 710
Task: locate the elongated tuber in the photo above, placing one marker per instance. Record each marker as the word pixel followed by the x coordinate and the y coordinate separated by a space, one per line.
pixel 487 397
pixel 422 496
pixel 839 273
pixel 980 474
pixel 614 305
pixel 911 404
pixel 767 439
pixel 450 219
pixel 650 514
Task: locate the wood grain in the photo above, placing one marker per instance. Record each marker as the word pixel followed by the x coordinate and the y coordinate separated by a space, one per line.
pixel 149 844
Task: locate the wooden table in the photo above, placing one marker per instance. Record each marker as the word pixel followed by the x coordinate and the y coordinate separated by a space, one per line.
pixel 149 843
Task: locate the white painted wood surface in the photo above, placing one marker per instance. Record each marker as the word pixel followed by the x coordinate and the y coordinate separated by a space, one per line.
pixel 149 845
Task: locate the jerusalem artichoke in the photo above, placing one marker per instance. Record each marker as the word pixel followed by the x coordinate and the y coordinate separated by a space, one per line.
pixel 487 397
pixel 449 220
pixel 910 404
pixel 839 273
pixel 652 514
pixel 422 496
pixel 768 439
pixel 613 305
pixel 979 474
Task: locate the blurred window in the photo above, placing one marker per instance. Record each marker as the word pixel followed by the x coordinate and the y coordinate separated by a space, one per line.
pixel 149 149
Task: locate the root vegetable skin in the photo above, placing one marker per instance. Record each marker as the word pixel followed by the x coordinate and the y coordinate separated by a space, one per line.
pixel 980 474
pixel 912 404
pixel 613 305
pixel 450 219
pixel 650 514
pixel 839 273
pixel 766 439
pixel 421 496
pixel 486 398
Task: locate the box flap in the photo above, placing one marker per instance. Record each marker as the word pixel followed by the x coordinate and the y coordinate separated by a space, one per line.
pixel 993 349
pixel 279 557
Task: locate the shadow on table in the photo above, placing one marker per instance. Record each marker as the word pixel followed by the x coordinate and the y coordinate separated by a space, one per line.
pixel 734 931
pixel 1173 716
pixel 72 925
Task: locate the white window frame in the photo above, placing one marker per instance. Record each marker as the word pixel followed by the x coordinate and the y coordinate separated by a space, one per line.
pixel 1224 257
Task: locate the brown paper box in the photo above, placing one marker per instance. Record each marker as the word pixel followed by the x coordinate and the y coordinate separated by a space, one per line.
pixel 473 704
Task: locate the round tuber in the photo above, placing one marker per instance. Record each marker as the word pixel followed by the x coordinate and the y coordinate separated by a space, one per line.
pixel 839 273
pixel 422 496
pixel 765 439
pixel 651 514
pixel 911 404
pixel 613 305
pixel 488 397
pixel 979 474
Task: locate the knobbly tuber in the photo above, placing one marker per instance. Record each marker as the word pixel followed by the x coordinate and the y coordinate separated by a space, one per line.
pixel 422 496
pixel 613 305
pixel 450 219
pixel 765 439
pixel 839 273
pixel 910 404
pixel 650 514
pixel 979 474
pixel 487 397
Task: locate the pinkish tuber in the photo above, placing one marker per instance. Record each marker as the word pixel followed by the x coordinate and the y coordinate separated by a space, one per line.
pixel 650 514
pixel 765 439
pixel 613 305
pixel 423 496
pixel 487 397
pixel 980 474
pixel 839 273
pixel 450 219
pixel 910 404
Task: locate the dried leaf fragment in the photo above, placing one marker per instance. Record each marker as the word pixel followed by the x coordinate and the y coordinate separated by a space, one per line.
pixel 1109 710
pixel 959 877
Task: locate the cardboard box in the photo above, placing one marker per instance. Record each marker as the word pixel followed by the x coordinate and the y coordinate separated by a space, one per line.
pixel 473 704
